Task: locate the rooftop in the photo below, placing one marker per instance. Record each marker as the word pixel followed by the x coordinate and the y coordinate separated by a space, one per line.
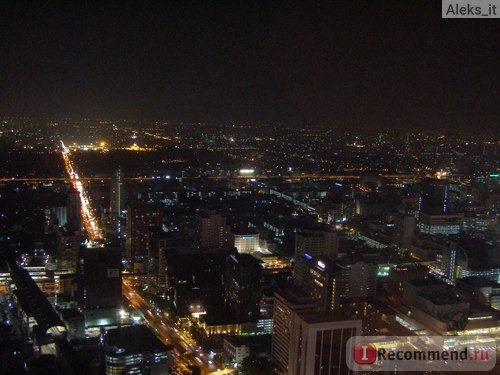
pixel 135 339
pixel 313 317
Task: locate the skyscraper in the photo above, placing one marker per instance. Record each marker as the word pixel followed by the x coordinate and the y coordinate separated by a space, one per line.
pixel 286 303
pixel 212 230
pixel 242 286
pixel 434 197
pixel 330 283
pixel 116 200
pixel 309 243
pixel 318 343
pixel 74 209
pixel 140 216
pixel 99 278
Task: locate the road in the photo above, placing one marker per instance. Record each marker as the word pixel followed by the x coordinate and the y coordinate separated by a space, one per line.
pixel 186 352
pixel 89 220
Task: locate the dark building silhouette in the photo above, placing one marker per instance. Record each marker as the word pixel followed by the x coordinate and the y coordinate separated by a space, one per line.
pixel 140 216
pixel 99 277
pixel 242 286
pixel 74 209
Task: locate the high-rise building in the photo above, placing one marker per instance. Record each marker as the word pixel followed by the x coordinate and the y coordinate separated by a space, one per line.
pixel 67 249
pixel 310 243
pixel 324 282
pixel 212 230
pixel 332 282
pixel 286 303
pixel 74 209
pixel 434 197
pixel 116 200
pixel 318 343
pixel 99 278
pixel 140 217
pixel 404 230
pixel 160 244
pixel 242 286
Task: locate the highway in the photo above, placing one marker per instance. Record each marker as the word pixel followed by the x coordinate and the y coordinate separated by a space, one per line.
pixel 88 217
pixel 186 352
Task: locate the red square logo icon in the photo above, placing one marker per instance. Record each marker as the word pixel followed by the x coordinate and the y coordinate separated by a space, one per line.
pixel 365 353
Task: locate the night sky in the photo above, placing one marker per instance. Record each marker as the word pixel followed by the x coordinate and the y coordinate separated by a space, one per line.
pixel 356 64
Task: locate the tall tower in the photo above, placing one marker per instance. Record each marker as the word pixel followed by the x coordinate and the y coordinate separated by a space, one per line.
pixel 99 276
pixel 117 199
pixel 286 304
pixel 318 343
pixel 74 209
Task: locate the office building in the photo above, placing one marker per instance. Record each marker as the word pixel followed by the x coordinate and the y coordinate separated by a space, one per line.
pixel 99 278
pixel 212 230
pixel 67 249
pixel 286 304
pixel 331 282
pixel 242 286
pixel 140 216
pixel 435 195
pixel 318 343
pixel 404 230
pixel 74 209
pixel 310 243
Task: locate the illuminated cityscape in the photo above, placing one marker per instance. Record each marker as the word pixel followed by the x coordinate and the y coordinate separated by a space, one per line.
pixel 233 191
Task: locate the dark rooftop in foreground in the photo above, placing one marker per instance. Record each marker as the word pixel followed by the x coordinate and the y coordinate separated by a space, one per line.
pixel 135 339
pixel 443 296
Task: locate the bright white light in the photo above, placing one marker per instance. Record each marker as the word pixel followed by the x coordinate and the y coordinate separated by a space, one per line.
pixel 247 171
pixel 321 264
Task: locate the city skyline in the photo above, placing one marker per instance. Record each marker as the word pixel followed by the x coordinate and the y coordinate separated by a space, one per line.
pixel 369 65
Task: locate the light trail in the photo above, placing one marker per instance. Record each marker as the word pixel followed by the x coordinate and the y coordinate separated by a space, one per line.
pixel 89 219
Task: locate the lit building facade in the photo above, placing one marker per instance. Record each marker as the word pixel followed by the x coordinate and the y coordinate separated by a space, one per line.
pixel 310 243
pixel 440 224
pixel 286 304
pixel 318 343
pixel 212 231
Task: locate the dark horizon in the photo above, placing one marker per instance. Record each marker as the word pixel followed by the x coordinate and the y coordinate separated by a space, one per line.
pixel 364 66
